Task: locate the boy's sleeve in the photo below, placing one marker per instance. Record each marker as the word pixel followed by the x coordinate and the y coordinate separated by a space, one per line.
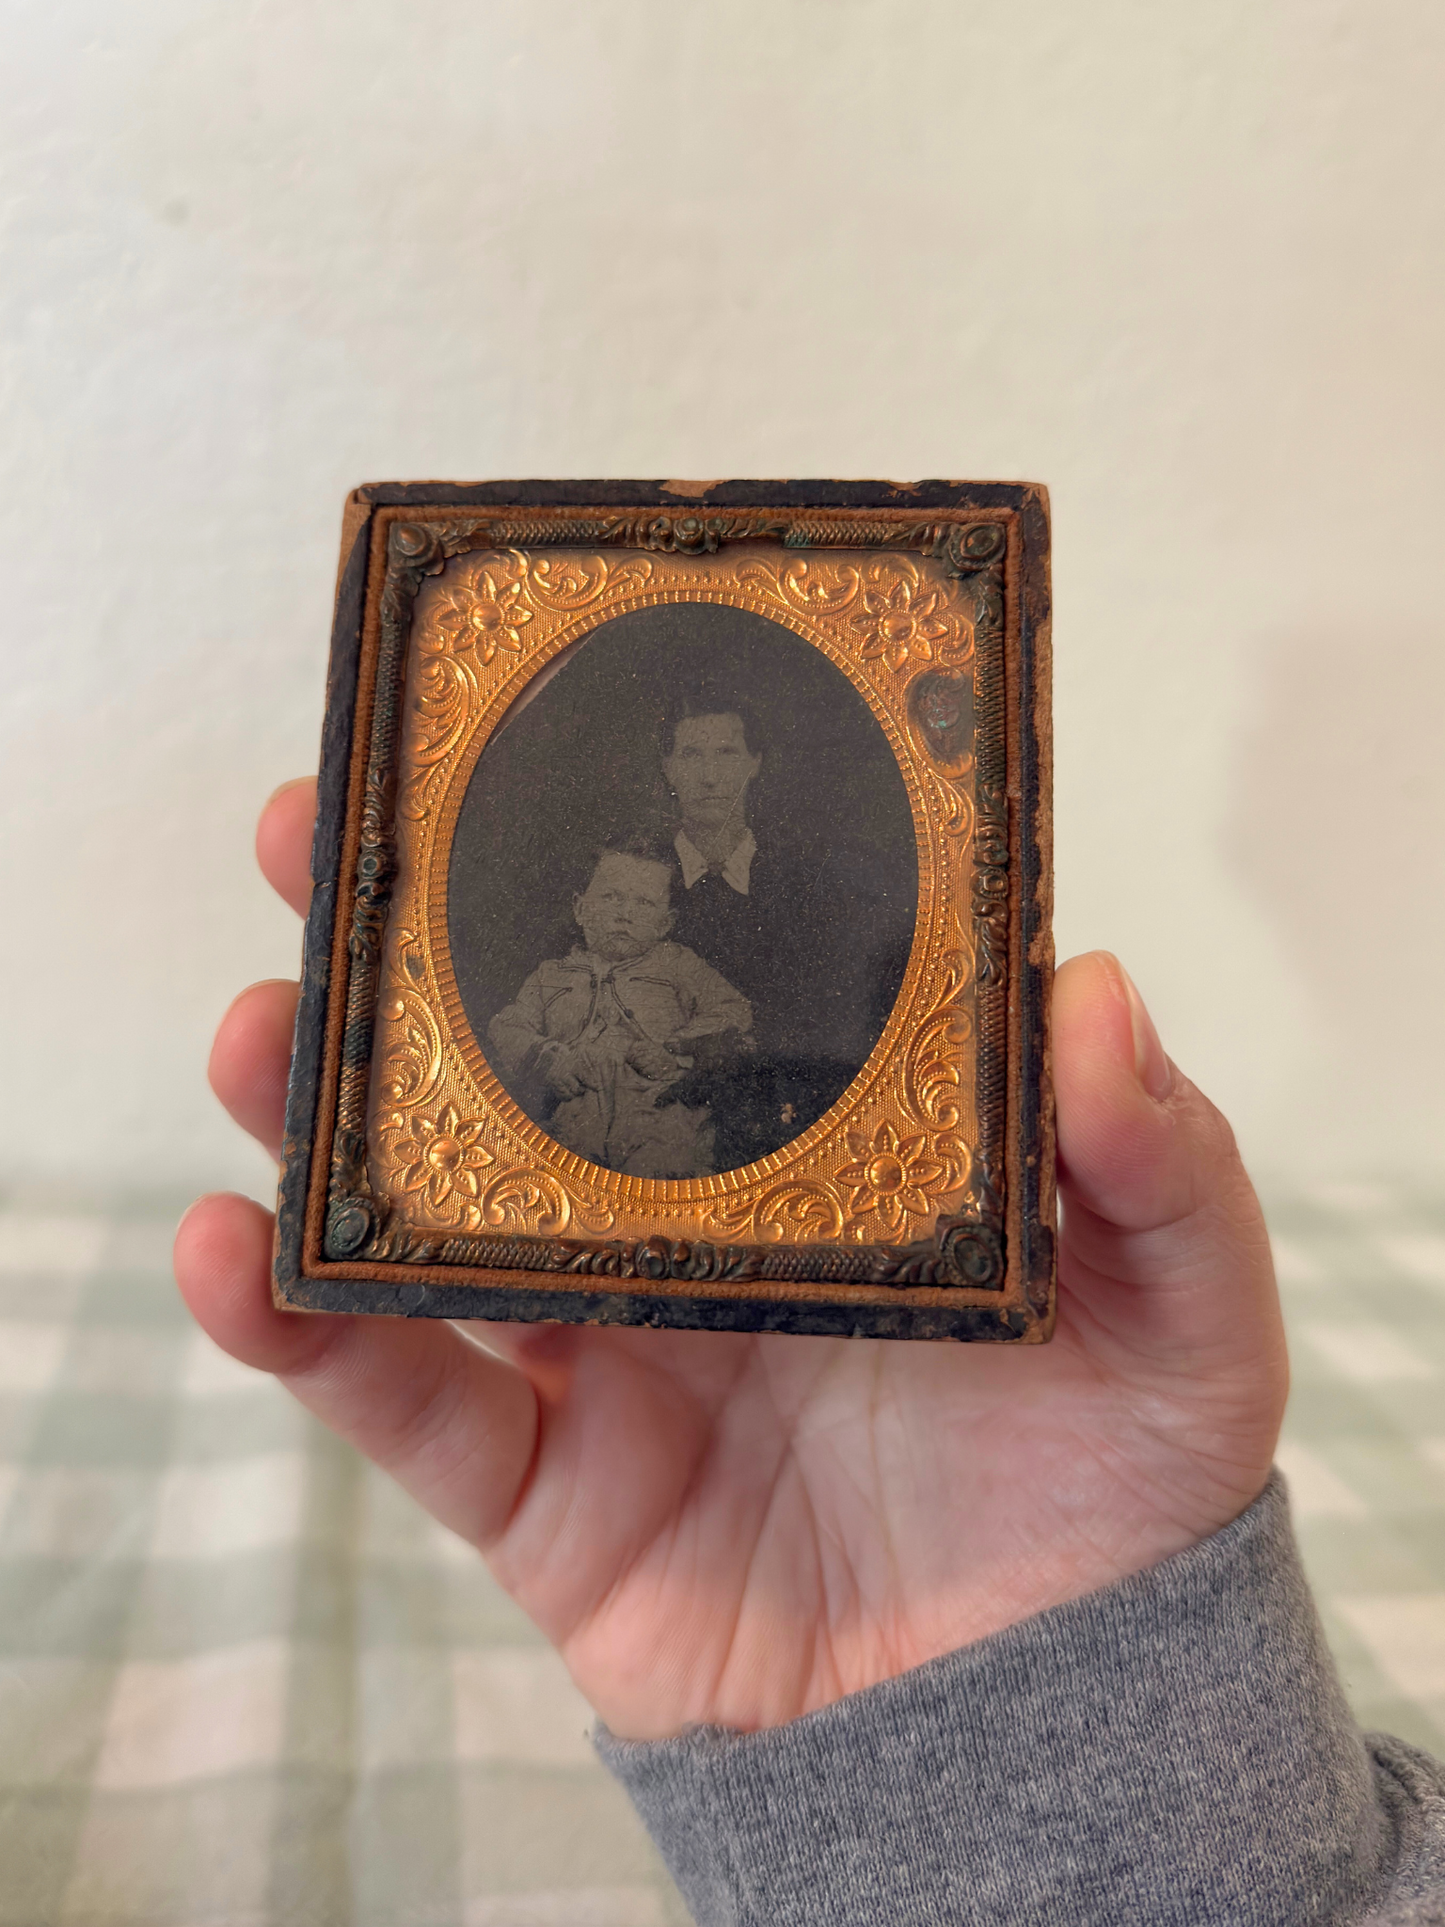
pixel 715 1005
pixel 517 1031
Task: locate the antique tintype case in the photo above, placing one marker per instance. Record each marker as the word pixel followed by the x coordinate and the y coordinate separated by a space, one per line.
pixel 680 946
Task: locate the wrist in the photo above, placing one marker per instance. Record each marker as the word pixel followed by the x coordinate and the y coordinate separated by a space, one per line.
pixel 1193 1705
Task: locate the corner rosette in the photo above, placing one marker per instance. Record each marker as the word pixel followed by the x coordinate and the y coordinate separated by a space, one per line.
pixel 412 542
pixel 973 548
pixel 974 1253
pixel 350 1226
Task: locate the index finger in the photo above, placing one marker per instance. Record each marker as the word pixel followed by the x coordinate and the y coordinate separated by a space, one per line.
pixel 283 841
pixel 451 1422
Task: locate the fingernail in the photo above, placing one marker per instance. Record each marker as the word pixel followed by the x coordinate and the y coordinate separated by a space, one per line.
pixel 291 783
pixel 1151 1066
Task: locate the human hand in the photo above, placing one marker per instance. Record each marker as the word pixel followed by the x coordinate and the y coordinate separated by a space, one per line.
pixel 560 1071
pixel 650 1059
pixel 714 1049
pixel 715 1527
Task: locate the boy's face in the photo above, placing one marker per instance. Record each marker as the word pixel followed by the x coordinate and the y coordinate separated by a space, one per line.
pixel 626 907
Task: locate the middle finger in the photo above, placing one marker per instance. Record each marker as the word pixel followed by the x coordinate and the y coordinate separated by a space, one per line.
pixel 251 1058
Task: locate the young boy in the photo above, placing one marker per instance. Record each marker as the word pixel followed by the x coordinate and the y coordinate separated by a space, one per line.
pixel 605 1030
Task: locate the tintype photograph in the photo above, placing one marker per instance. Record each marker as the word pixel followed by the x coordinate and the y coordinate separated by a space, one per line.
pixel 680 947
pixel 682 892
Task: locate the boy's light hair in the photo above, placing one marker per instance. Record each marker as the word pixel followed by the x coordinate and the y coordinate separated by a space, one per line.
pixel 641 849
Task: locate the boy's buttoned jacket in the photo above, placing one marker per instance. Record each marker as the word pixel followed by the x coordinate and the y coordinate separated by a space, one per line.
pixel 666 995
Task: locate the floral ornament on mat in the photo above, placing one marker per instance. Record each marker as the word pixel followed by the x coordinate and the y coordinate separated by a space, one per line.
pixel 442 1158
pixel 897 621
pixel 891 1175
pixel 484 616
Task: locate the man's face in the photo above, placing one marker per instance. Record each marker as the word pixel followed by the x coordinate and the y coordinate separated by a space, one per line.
pixel 710 768
pixel 625 909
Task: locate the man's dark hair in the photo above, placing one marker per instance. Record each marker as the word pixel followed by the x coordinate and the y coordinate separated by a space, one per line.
pixel 709 699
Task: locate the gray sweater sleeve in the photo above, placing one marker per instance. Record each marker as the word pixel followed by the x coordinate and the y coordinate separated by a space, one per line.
pixel 1175 1749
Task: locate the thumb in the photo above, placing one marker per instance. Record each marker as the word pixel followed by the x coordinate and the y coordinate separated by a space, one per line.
pixel 1164 1258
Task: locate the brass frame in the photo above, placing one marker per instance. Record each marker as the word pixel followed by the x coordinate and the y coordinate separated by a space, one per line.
pixel 426 1189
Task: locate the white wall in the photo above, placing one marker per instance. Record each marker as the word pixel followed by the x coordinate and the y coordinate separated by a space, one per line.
pixel 1179 259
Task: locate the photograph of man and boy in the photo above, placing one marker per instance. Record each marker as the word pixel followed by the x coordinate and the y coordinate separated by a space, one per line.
pixel 682 892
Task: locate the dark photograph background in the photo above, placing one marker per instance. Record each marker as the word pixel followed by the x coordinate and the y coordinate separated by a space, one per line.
pixel 579 764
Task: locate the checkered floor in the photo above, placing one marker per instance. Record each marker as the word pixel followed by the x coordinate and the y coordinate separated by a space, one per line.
pixel 1362 1272
pixel 245 1683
